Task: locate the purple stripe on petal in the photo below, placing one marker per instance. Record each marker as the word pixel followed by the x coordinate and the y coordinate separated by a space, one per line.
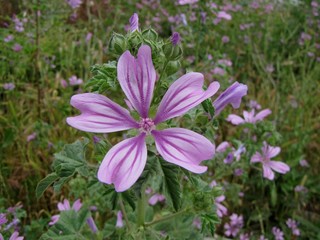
pixel 124 163
pixel 232 95
pixel 99 114
pixel 184 94
pixel 137 77
pixel 184 148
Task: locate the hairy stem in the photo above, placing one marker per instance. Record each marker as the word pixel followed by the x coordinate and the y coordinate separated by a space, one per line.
pixel 141 208
pixel 123 210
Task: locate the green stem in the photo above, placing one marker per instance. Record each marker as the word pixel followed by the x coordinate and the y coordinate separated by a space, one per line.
pixel 141 208
pixel 125 215
pixel 165 218
pixel 163 70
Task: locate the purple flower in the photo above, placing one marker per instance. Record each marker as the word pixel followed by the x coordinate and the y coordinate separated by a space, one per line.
pixel 88 37
pixel 262 237
pixel 175 38
pixel 125 161
pixel 221 210
pixel 249 117
pixel 278 234
pixel 65 206
pixel 15 236
pixel 3 219
pixel 228 159
pixel 254 105
pixel 197 223
pixel 73 80
pixel 9 86
pixel 219 71
pixel 134 22
pixel 225 62
pixel 224 15
pixel 119 223
pixel 31 137
pixel 269 152
pixel 244 236
pixel 225 39
pixel 223 147
pixel 96 139
pixel 292 224
pixel 238 172
pixel 64 83
pixel 300 188
pixel 8 38
pixel 184 2
pixel 233 227
pixel 239 151
pixel 232 95
pixel 74 3
pixel 17 47
pixel 304 163
pixel 156 198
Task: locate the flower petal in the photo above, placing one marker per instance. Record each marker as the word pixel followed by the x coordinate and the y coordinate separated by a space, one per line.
pixel 256 158
pixel 262 114
pixel 273 151
pixel 77 205
pixel 267 172
pixel 279 167
pixel 137 77
pixel 184 94
pixel 184 148
pixel 235 119
pixel 124 163
pixel 99 114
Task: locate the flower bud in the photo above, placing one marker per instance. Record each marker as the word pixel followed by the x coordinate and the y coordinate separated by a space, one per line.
pixel 172 67
pixel 150 34
pixel 117 44
pixel 172 52
pixel 134 22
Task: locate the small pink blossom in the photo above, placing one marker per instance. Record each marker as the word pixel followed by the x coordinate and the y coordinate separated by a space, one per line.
pixel 9 86
pixel 73 80
pixel 225 39
pixel 31 137
pixel 74 3
pixel 222 147
pixel 119 223
pixel 156 198
pixel 221 210
pixel 15 236
pixel 224 15
pixel 219 71
pixel 249 117
pixel 184 2
pixel 88 37
pixel 278 234
pixel 8 38
pixel 197 223
pixel 293 225
pixel 268 152
pixel 304 163
pixel 17 47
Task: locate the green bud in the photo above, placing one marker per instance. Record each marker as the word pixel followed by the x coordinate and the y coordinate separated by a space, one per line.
pixel 150 34
pixel 135 40
pixel 172 52
pixel 172 67
pixel 117 44
pixel 202 201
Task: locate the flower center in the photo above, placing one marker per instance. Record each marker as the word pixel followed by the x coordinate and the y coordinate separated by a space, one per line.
pixel 146 125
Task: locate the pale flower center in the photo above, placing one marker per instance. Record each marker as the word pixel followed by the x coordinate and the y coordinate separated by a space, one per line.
pixel 146 125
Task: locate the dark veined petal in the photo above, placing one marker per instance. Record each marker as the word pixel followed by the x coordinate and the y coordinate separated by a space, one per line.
pixel 184 148
pixel 184 94
pixel 137 77
pixel 124 163
pixel 99 114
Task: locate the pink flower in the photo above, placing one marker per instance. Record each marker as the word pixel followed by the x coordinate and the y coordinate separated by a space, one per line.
pixel 31 137
pixel 225 39
pixel 73 80
pixel 249 117
pixel 233 227
pixel 197 223
pixel 224 15
pixel 8 38
pixel 269 152
pixel 278 234
pixel 9 86
pixel 17 47
pixel 219 71
pixel 74 3
pixel 124 163
pixel 88 37
pixel 184 2
pixel 304 163
pixel 119 223
pixel 292 224
pixel 222 147
pixel 221 210
pixel 15 236
pixel 156 198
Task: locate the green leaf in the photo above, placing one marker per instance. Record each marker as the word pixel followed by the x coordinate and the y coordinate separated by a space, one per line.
pixel 171 183
pixel 151 169
pixel 129 197
pixel 45 183
pixel 209 222
pixel 208 107
pixel 69 226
